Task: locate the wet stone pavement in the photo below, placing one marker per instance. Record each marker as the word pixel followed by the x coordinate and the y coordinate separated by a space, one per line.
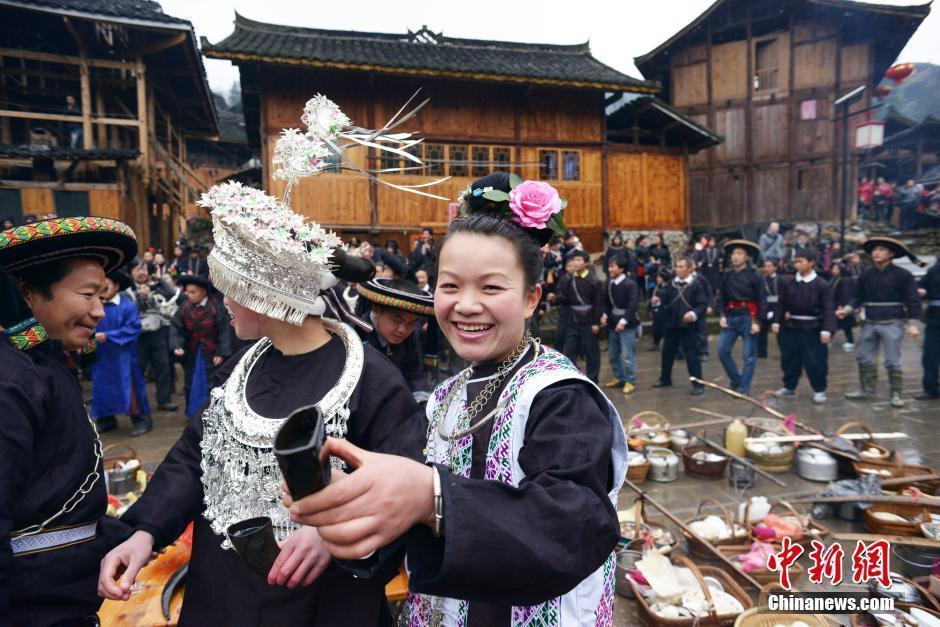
pixel 918 419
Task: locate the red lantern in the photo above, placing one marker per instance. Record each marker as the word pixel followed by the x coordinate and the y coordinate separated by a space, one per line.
pixel 882 91
pixel 899 72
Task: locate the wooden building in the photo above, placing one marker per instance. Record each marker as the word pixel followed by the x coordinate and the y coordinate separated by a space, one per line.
pixel 139 90
pixel 535 109
pixel 765 74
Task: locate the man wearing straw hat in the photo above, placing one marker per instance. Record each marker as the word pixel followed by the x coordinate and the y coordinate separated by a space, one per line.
pixel 740 305
pixel 888 295
pixel 53 527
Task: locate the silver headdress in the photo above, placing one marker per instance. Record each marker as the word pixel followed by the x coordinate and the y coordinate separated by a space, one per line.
pixel 276 262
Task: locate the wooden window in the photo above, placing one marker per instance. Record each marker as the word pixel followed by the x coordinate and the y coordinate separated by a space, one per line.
pixel 548 165
pixel 481 160
pixel 570 165
pixel 458 161
pixel 434 159
pixel 389 160
pixel 766 62
pixel 414 168
pixel 502 158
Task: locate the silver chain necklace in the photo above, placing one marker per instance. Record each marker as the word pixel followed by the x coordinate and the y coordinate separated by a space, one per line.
pixel 463 427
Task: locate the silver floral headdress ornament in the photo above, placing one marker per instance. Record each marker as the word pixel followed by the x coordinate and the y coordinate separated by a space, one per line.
pixel 275 261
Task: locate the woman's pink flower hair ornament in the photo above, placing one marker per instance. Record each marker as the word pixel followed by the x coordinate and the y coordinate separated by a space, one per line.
pixel 531 204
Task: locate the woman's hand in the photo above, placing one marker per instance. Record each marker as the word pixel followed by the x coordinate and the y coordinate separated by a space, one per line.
pixel 124 560
pixel 366 510
pixel 303 558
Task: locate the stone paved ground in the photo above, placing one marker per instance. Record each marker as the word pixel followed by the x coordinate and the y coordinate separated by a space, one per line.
pixel 681 497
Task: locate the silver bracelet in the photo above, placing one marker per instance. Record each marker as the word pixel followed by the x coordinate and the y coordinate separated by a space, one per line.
pixel 438 503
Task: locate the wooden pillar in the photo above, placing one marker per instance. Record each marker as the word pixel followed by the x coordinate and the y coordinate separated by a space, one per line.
pixel 793 119
pixel 605 206
pixel 372 154
pixel 747 212
pixel 101 129
pixel 87 142
pixel 143 126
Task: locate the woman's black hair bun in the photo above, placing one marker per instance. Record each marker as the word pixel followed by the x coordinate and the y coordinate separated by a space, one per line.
pixel 478 204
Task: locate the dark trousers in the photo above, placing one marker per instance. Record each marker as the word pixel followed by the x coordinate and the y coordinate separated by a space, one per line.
pixel 702 336
pixel 908 218
pixel 561 331
pixel 579 340
pixel 800 349
pixel 189 369
pixel 152 352
pixel 762 338
pixel 688 339
pixel 931 358
pixel 847 325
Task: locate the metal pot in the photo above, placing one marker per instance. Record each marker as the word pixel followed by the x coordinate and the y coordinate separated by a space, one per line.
pixel 814 464
pixel 625 561
pixel 914 561
pixel 680 439
pixel 741 476
pixel 664 464
pixel 123 480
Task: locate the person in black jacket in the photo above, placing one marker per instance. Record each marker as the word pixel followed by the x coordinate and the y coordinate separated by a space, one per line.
pixel 929 290
pixel 683 305
pixel 583 295
pixel 771 284
pixel 622 303
pixel 843 289
pixel 740 304
pixel 805 320
pixel 888 293
pixel 200 324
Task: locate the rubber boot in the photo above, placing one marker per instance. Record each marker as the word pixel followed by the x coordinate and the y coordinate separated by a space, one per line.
pixel 896 380
pixel 867 377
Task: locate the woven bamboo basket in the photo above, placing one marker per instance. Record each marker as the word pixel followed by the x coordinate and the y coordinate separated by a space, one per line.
pixel 111 458
pixel 653 419
pixel 647 617
pixel 887 527
pixel 931 606
pixel 702 469
pixel 762 575
pixel 771 462
pixel 637 472
pixel 697 548
pixel 896 468
pixel 812 530
pixel 884 453
pixel 635 542
pixel 761 616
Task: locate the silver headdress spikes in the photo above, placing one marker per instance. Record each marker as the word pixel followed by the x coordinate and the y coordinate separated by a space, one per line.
pixel 269 258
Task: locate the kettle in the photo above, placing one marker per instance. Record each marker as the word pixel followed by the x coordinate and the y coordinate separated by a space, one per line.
pixel 664 464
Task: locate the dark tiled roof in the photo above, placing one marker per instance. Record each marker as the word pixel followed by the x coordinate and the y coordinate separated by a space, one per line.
pixel 423 53
pixel 232 127
pixel 130 10
pixel 652 114
pixel 29 152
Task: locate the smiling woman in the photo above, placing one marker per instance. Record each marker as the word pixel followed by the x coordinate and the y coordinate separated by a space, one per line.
pixel 53 528
pixel 514 521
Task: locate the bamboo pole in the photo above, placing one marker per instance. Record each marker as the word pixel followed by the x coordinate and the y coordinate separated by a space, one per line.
pixel 870 498
pixel 665 512
pixel 776 414
pixel 741 460
pixel 894 435
pixel 688 425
